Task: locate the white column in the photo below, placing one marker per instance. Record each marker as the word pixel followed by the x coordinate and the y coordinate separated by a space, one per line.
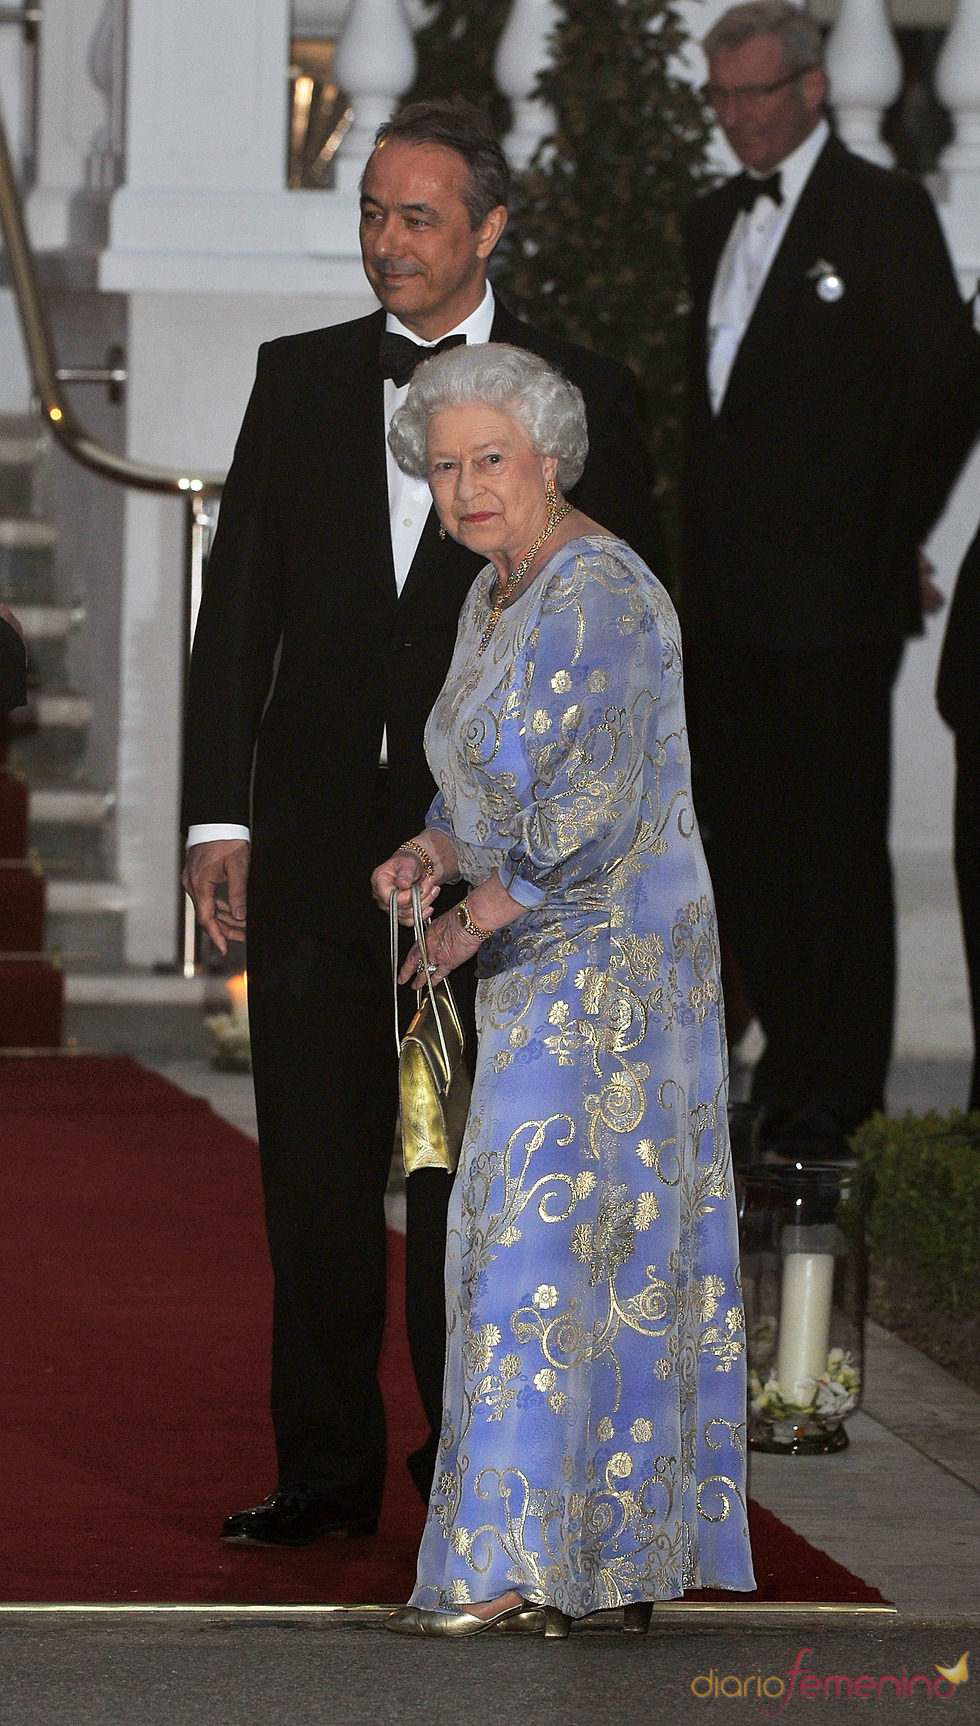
pixel 958 86
pixel 70 112
pixel 522 52
pixel 374 65
pixel 206 97
pixel 205 154
pixel 865 71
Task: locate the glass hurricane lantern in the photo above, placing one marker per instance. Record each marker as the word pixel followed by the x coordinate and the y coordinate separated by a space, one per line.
pixel 804 1269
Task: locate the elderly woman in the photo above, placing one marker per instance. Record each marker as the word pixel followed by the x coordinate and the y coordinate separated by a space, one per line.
pixel 593 1441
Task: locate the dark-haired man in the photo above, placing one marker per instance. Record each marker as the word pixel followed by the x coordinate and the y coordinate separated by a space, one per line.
pixel 328 567
pixel 835 387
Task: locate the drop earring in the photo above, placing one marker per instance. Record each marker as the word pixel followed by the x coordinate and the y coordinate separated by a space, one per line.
pixel 442 531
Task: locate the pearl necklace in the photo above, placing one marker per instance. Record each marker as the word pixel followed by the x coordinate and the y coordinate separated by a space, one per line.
pixel 517 575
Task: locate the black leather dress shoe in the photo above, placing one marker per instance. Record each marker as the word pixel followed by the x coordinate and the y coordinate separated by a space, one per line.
pixel 294 1516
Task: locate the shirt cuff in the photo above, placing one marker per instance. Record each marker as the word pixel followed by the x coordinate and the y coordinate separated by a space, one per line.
pixel 204 831
pixel 523 891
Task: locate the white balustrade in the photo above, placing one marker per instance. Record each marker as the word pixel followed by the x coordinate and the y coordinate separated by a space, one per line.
pixel 375 64
pixel 865 71
pixel 958 191
pixel 958 86
pixel 522 52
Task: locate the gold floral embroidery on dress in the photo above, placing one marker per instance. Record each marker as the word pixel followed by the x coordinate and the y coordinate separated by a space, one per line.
pixel 595 1209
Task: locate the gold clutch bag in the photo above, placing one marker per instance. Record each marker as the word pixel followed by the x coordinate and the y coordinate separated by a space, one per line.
pixel 433 1083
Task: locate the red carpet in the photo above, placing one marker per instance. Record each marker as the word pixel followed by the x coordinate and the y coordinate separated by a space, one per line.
pixel 134 1362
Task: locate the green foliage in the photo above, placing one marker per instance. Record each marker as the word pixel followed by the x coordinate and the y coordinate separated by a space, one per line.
pixel 925 1200
pixel 595 248
pixel 456 49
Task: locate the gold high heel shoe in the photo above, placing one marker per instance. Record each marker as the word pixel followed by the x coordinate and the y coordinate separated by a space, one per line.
pixel 432 1621
pixel 546 1621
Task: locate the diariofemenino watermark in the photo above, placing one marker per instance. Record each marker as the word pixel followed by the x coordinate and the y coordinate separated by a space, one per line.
pixel 774 1692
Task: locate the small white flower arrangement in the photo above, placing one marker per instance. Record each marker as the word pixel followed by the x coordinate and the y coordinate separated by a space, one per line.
pixel 829 1397
pixel 231 1048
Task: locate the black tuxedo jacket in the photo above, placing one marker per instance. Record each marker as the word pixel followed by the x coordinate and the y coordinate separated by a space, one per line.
pixel 13 668
pixel 843 425
pixel 958 686
pixel 300 599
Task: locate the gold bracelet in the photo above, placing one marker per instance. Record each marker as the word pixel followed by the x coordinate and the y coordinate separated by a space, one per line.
pixel 423 856
pixel 463 913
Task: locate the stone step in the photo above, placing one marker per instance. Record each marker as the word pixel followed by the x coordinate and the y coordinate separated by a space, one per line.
pixel 50 622
pixel 26 533
pixel 86 923
pixel 69 830
pixel 123 1011
pixel 21 447
pixel 50 630
pixel 85 898
pixel 69 805
pixel 27 549
pixel 66 711
pixel 52 744
pixel 22 443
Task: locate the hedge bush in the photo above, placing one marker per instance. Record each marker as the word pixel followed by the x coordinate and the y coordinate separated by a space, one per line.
pixel 924 1200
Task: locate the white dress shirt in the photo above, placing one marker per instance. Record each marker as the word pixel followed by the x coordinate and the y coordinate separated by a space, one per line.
pixel 756 237
pixel 409 502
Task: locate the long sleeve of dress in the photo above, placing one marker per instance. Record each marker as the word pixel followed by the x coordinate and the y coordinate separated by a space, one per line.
pixel 592 672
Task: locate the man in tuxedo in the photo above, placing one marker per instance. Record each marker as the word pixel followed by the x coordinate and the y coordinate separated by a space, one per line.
pixel 13 662
pixel 958 699
pixel 834 384
pixel 326 627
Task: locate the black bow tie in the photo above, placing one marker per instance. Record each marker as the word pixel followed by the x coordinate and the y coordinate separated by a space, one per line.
pixel 399 356
pixel 750 189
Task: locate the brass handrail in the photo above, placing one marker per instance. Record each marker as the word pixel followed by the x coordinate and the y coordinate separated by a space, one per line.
pixel 39 343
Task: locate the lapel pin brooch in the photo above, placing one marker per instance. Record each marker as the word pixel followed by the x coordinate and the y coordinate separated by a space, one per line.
pixel 829 281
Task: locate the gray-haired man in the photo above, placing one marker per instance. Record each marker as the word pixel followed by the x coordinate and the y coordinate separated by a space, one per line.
pixel 835 388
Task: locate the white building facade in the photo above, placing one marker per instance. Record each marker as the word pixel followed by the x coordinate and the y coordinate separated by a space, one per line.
pixel 159 181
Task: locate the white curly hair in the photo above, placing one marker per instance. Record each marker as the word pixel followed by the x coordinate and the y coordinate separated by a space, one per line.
pixel 549 410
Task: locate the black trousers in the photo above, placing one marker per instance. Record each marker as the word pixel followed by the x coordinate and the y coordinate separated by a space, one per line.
pixel 325 1076
pixel 792 752
pixel 967 858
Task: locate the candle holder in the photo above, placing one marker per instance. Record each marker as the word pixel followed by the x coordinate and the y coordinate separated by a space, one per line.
pixel 804 1275
pixel 231 1048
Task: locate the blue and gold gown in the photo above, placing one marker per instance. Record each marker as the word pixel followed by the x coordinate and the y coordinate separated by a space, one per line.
pixel 593 1442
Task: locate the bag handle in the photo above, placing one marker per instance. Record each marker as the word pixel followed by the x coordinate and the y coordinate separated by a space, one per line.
pixel 420 940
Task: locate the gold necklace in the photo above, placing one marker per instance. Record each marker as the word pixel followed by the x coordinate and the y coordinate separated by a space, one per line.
pixel 517 575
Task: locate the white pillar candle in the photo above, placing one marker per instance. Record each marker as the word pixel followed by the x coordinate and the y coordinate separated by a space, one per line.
pixel 804 1322
pixel 237 988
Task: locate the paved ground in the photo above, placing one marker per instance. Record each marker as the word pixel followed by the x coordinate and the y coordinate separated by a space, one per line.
pixel 296 1673
pixel 900 1507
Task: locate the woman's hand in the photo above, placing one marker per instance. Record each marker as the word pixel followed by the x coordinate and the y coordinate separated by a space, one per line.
pixel 406 866
pixel 448 946
pixel 397 875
